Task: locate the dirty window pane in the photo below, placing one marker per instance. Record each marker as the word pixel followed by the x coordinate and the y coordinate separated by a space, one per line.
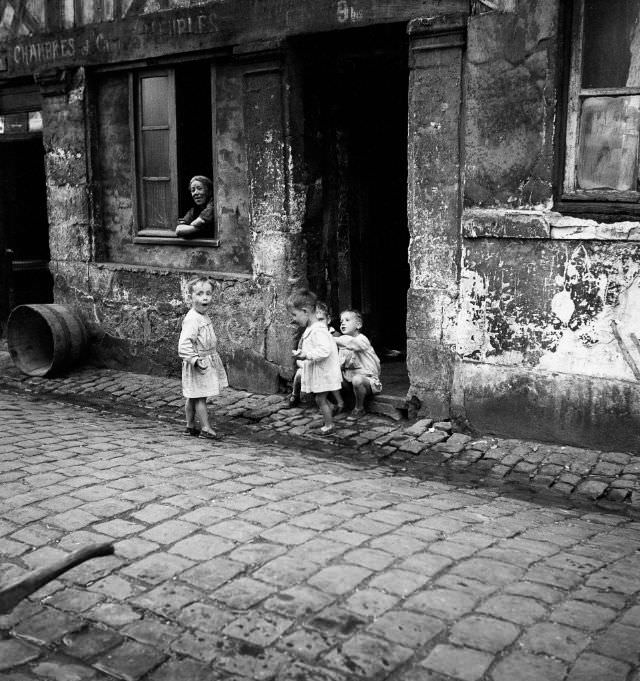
pixel 157 204
pixel 155 100
pixel 608 156
pixel 68 13
pixel 611 47
pixel 155 150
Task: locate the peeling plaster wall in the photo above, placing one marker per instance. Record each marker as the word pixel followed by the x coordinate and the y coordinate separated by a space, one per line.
pixel 562 306
pixel 548 324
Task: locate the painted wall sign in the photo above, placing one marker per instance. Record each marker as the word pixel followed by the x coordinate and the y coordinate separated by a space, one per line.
pixel 92 43
pixel 219 24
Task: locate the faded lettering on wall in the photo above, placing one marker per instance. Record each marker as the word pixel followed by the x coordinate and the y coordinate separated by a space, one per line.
pixel 35 53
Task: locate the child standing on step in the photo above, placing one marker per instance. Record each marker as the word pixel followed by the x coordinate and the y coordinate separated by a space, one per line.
pixel 318 353
pixel 360 364
pixel 203 374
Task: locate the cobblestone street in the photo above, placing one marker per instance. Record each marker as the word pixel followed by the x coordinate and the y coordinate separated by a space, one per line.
pixel 249 560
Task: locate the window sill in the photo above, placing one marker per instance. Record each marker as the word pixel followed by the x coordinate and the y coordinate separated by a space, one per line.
pixel 598 210
pixel 175 241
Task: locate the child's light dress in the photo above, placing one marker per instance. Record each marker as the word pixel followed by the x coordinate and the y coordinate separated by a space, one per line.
pixel 198 341
pixel 321 369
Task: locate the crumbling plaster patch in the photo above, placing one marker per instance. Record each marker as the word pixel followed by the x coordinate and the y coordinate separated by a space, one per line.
pixel 554 310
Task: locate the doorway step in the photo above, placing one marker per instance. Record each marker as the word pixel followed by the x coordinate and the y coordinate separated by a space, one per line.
pixel 397 407
pixel 393 406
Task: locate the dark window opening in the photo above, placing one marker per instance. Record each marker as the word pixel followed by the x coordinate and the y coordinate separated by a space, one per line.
pixel 603 106
pixel 194 121
pixel 174 127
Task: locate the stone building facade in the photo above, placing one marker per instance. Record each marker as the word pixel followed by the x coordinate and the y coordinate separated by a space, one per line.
pixel 465 172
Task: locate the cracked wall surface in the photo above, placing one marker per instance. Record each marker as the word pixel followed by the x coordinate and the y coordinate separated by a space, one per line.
pixel 547 327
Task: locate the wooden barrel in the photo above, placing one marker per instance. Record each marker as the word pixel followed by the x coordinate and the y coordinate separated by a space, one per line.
pixel 45 339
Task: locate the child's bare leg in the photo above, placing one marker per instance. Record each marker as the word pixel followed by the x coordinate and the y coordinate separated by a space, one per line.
pixel 297 384
pixel 325 408
pixel 190 412
pixel 296 389
pixel 337 396
pixel 361 388
pixel 203 414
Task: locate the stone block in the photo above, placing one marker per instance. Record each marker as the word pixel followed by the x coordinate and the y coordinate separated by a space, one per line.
pixel 419 427
pixel 453 445
pixel 248 370
pixel 408 628
pixel 485 633
pixel 130 661
pixel 555 640
pixel 370 657
pixel 592 488
pixel 14 653
pixel 460 663
pixel 432 437
pixel 412 446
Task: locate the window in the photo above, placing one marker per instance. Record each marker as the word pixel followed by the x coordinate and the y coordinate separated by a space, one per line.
pixel 173 134
pixel 603 117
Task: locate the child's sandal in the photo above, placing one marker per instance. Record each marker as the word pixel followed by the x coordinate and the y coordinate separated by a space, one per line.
pixel 208 435
pixel 193 432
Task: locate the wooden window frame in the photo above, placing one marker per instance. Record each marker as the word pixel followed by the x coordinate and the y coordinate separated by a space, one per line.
pixel 150 235
pixel 600 200
pixel 172 178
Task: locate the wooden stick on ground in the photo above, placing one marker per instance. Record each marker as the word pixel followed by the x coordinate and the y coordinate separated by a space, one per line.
pixel 11 595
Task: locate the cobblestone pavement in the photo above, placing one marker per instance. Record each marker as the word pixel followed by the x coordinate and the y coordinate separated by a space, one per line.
pixel 425 447
pixel 244 559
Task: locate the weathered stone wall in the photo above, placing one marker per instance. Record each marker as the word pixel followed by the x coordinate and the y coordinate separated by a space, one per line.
pixel 134 315
pixel 132 295
pixel 510 99
pixel 547 302
pixel 435 89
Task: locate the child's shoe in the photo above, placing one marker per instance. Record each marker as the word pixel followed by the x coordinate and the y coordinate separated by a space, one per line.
pixel 194 432
pixel 356 414
pixel 326 430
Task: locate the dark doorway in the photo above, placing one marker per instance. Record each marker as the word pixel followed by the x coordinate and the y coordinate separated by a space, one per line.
pixel 355 86
pixel 24 232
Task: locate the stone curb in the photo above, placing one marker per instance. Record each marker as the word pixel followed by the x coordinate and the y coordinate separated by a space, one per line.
pixel 609 479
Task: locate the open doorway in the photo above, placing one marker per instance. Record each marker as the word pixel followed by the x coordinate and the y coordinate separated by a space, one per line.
pixel 24 232
pixel 355 87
